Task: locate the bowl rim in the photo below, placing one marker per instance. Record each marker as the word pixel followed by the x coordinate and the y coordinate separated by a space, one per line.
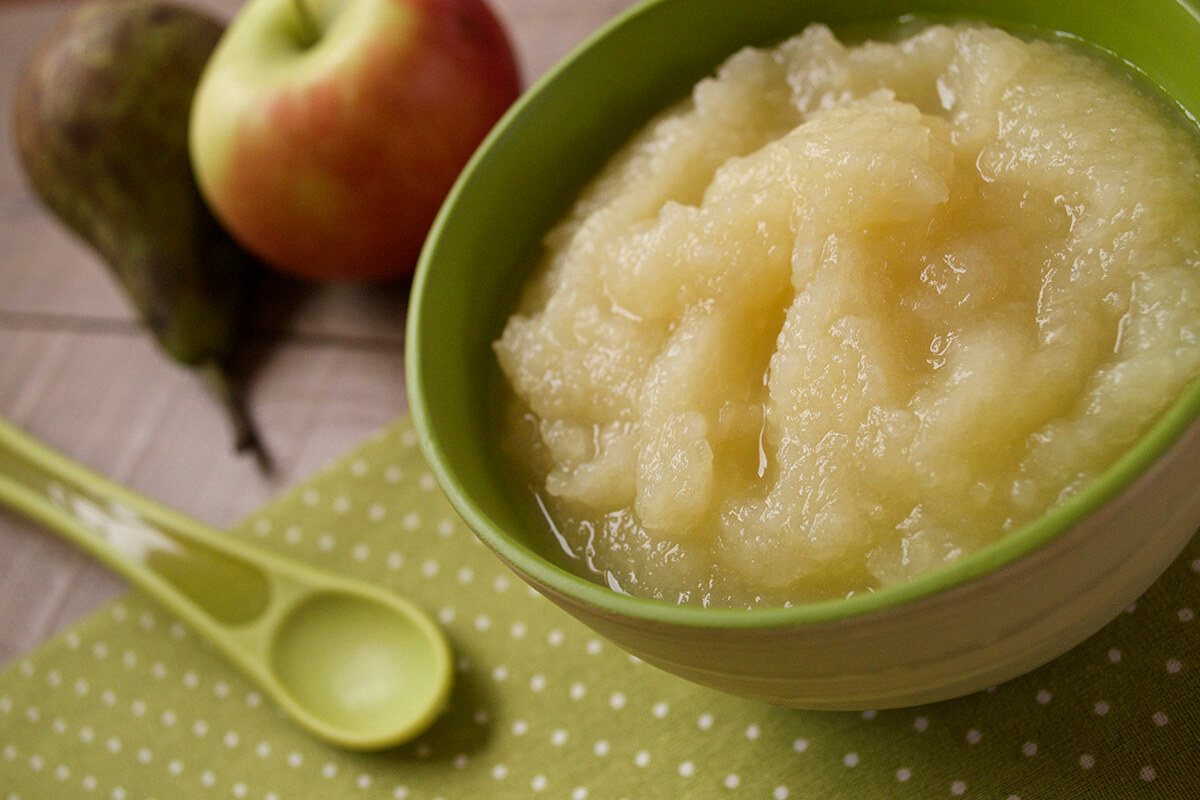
pixel 1170 426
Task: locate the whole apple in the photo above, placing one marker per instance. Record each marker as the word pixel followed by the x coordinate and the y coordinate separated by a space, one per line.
pixel 325 134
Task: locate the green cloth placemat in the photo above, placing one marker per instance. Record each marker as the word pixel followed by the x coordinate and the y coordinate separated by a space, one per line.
pixel 128 705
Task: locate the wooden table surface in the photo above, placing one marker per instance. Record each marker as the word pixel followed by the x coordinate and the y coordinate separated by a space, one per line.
pixel 323 365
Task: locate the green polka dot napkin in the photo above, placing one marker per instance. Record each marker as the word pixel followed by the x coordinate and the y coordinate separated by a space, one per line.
pixel 128 705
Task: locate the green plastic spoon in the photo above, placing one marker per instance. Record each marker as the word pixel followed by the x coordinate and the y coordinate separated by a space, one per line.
pixel 353 664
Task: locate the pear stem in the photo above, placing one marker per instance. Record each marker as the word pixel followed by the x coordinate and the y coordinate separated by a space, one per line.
pixel 310 32
pixel 246 436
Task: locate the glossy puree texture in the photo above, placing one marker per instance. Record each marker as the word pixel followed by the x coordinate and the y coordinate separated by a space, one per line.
pixel 846 314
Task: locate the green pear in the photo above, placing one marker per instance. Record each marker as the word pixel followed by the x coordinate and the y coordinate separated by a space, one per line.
pixel 101 115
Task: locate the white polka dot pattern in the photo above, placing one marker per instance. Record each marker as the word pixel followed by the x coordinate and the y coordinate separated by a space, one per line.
pixel 128 705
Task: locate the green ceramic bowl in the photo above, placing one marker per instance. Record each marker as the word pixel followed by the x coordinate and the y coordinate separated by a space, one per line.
pixel 990 617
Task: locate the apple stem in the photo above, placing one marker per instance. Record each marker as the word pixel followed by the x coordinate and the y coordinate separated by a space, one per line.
pixel 309 32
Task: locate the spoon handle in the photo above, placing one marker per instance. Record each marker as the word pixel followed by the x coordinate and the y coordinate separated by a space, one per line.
pixel 178 560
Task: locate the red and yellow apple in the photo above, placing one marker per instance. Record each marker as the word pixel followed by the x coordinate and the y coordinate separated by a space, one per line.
pixel 325 134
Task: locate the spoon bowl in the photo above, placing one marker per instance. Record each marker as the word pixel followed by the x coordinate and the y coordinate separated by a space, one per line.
pixel 353 664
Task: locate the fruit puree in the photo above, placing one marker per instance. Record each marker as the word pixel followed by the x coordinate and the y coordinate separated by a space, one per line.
pixel 848 313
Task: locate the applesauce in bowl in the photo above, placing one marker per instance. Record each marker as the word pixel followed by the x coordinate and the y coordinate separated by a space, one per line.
pixel 851 313
pixel 1009 606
